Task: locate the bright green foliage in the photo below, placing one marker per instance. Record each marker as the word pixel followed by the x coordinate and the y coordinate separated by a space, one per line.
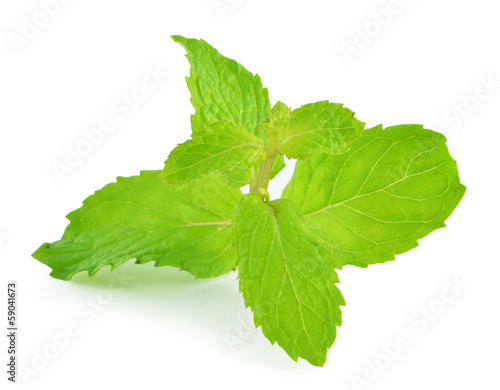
pixel 394 186
pixel 221 147
pixel 356 197
pixel 144 218
pixel 275 123
pixel 278 165
pixel 317 127
pixel 223 89
pixel 286 278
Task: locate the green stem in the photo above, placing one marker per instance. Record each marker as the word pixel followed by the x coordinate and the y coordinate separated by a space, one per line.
pixel 253 179
pixel 264 175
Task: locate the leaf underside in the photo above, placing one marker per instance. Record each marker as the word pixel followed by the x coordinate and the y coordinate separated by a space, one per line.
pixel 393 187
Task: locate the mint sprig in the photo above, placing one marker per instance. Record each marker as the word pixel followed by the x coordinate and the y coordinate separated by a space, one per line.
pixel 357 197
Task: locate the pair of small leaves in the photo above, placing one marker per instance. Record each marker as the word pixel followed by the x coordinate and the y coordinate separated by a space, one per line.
pixel 233 151
pixel 232 107
pixel 355 198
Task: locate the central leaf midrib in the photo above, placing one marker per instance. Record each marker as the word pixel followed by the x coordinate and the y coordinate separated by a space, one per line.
pixel 326 208
pixel 277 229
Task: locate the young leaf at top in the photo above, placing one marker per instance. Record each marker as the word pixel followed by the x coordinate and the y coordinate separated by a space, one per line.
pixel 286 278
pixel 275 123
pixel 316 127
pixel 222 89
pixel 394 186
pixel 144 218
pixel 222 147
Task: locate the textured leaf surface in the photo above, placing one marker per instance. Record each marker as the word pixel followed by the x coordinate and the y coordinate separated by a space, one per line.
pixel 221 147
pixel 278 118
pixel 278 165
pixel 394 186
pixel 322 126
pixel 286 278
pixel 144 218
pixel 221 88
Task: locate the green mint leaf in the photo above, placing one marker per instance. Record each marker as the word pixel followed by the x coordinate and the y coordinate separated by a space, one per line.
pixel 223 89
pixel 394 186
pixel 144 218
pixel 316 127
pixel 286 278
pixel 278 118
pixel 221 147
pixel 237 177
pixel 278 165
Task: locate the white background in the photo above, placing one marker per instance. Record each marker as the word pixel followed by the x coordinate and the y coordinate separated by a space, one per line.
pixel 164 330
